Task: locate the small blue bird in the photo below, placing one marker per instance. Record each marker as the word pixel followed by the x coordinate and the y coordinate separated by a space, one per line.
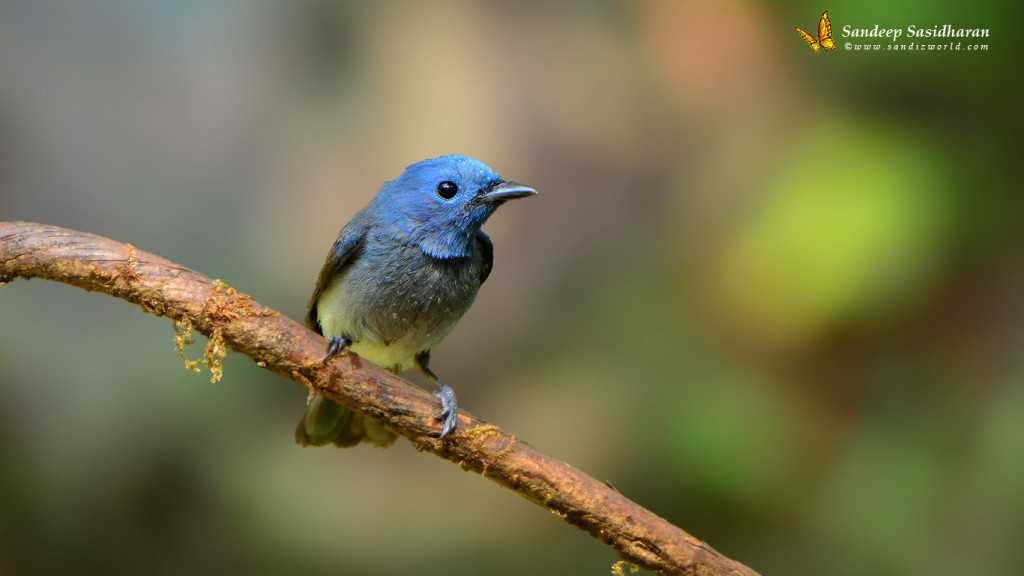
pixel 398 278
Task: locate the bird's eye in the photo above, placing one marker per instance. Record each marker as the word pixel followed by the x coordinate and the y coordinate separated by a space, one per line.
pixel 447 189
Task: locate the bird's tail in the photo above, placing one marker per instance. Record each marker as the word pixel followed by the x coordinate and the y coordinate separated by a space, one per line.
pixel 327 422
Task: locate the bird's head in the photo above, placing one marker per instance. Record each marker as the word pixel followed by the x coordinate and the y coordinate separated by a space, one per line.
pixel 440 204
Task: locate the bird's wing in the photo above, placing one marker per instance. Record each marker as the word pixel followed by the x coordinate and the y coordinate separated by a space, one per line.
pixel 344 251
pixel 487 251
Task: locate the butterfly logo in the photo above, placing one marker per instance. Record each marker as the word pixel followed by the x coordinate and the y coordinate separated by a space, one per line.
pixel 824 35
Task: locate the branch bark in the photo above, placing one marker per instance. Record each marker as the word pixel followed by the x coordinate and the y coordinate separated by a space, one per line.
pixel 235 320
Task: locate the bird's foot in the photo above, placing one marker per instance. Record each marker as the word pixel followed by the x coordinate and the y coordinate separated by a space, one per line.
pixel 449 409
pixel 336 345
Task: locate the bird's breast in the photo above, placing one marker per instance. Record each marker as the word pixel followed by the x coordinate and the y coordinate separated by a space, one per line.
pixel 395 301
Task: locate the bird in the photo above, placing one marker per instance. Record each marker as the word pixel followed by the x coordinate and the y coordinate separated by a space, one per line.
pixel 400 275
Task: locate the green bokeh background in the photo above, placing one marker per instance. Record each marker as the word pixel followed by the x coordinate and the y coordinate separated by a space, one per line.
pixel 772 295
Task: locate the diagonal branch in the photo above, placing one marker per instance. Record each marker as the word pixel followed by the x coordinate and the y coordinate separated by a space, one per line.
pixel 235 320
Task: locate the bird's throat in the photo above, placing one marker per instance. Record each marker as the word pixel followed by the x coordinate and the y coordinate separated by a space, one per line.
pixel 451 243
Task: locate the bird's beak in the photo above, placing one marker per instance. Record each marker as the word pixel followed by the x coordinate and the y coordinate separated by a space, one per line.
pixel 504 191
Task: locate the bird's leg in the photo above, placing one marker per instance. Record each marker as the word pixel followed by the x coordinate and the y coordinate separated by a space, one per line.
pixel 335 345
pixel 449 407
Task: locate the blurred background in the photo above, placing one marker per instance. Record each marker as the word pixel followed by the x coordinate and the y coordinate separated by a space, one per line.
pixel 772 295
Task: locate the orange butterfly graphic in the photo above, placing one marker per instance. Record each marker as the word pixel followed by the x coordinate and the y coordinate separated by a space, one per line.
pixel 824 35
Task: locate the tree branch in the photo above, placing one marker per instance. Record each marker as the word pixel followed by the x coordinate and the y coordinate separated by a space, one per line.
pixel 235 320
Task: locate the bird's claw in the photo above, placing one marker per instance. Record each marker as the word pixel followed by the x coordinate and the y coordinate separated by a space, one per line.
pixel 336 345
pixel 449 409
